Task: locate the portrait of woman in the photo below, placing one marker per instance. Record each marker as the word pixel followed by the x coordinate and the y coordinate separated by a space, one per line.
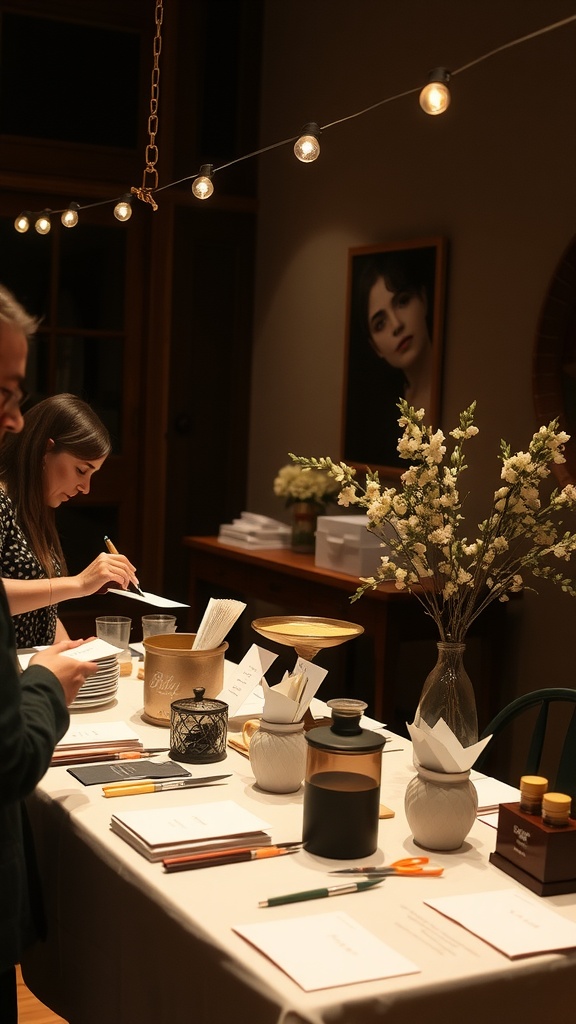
pixel 394 347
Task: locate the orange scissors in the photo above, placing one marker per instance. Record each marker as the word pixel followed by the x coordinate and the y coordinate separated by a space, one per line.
pixel 412 866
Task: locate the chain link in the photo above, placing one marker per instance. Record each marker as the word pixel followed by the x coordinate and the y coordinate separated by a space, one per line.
pixel 150 174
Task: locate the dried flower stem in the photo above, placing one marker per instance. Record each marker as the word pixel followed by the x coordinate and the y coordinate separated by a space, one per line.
pixel 455 580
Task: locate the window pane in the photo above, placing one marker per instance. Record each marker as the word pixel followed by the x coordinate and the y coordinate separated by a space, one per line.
pixel 91 368
pixel 91 286
pixel 74 83
pixel 25 266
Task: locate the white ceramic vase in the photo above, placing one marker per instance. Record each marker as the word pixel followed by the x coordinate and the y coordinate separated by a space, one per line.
pixel 278 756
pixel 440 808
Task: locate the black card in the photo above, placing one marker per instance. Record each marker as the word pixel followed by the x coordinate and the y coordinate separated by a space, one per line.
pixel 126 770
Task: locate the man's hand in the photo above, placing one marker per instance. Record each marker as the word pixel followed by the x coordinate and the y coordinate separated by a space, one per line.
pixel 70 673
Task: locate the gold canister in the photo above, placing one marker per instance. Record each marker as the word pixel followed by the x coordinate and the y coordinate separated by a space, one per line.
pixel 172 670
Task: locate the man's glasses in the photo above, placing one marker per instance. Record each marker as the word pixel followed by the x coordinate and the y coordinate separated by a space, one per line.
pixel 10 399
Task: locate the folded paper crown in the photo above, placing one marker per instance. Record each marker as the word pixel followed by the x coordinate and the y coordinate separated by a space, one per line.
pixel 289 700
pixel 438 749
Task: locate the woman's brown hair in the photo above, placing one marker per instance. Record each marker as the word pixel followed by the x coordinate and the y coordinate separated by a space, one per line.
pixel 74 428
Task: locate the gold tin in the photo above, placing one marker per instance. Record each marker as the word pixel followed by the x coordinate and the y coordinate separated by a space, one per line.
pixel 172 670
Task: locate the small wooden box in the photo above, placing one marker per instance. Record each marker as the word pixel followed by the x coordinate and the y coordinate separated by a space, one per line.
pixel 541 857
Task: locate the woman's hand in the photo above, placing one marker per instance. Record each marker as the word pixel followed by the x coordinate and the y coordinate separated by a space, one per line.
pixel 70 673
pixel 105 571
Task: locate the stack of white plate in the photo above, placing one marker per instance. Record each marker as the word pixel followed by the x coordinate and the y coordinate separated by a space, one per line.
pixel 100 688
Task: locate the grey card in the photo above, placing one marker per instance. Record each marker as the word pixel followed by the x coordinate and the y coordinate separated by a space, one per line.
pixel 126 770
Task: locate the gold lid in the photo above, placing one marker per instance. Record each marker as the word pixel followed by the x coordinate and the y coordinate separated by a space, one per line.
pixel 557 804
pixel 533 785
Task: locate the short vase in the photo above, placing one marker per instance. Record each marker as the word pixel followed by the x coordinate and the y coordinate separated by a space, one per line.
pixel 448 694
pixel 278 756
pixel 304 521
pixel 440 808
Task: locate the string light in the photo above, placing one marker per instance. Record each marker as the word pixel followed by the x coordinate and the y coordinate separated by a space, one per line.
pixel 123 208
pixel 307 147
pixel 22 223
pixel 435 96
pixel 70 216
pixel 42 223
pixel 202 185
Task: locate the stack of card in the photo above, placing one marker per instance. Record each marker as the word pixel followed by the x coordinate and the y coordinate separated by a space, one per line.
pixel 97 738
pixel 101 688
pixel 98 689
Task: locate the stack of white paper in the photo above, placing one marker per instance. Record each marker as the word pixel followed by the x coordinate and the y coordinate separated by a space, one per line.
pixel 217 621
pixel 492 792
pixel 255 531
pixel 173 831
pixel 95 738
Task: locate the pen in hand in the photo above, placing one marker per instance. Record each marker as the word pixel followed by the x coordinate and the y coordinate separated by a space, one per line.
pixel 318 894
pixel 114 551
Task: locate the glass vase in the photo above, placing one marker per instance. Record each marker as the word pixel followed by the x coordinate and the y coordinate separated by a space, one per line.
pixel 448 694
pixel 304 519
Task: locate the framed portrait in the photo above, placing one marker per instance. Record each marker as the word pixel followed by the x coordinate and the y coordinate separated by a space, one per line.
pixel 394 342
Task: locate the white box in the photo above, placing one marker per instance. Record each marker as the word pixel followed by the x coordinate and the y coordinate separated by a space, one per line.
pixel 344 544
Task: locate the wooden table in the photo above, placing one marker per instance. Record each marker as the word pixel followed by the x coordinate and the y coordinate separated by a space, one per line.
pixel 297 586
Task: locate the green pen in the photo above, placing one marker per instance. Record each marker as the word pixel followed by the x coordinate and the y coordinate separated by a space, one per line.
pixel 319 894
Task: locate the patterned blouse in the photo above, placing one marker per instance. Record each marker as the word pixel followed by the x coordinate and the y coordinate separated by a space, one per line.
pixel 18 562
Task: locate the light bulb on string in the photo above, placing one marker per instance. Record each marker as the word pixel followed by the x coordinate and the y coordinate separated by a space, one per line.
pixel 42 223
pixel 22 223
pixel 69 217
pixel 307 147
pixel 435 96
pixel 203 186
pixel 123 208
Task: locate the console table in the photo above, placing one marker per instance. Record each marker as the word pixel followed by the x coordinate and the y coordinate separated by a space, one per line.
pixel 299 587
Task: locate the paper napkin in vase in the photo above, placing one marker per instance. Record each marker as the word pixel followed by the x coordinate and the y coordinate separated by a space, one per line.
pixel 438 749
pixel 289 700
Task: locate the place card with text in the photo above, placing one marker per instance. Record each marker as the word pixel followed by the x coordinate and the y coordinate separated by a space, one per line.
pixel 516 923
pixel 325 950
pixel 247 676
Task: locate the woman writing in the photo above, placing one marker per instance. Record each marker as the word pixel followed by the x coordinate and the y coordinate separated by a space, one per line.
pixel 62 444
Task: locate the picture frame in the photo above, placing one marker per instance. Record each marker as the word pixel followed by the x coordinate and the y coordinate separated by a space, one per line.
pixel 394 347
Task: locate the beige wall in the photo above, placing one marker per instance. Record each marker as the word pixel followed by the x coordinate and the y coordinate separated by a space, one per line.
pixel 496 175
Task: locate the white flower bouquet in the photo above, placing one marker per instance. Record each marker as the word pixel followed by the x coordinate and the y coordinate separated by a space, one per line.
pixel 314 485
pixel 455 578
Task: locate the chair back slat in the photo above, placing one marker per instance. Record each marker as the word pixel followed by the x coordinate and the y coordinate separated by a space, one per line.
pixel 565 780
pixel 566 777
pixel 534 757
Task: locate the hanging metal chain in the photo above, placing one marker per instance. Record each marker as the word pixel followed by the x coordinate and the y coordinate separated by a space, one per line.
pixel 150 175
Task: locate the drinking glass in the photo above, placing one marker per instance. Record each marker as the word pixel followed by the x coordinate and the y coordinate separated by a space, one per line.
pixel 116 630
pixel 152 625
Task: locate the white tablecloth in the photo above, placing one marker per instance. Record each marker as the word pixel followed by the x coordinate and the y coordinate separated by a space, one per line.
pixel 130 944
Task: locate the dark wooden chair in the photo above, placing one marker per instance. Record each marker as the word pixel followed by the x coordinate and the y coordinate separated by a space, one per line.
pixel 564 749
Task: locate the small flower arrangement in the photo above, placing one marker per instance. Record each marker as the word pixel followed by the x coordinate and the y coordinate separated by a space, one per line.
pixel 452 577
pixel 314 485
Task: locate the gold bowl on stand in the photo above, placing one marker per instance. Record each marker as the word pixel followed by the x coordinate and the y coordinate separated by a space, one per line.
pixel 307 634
